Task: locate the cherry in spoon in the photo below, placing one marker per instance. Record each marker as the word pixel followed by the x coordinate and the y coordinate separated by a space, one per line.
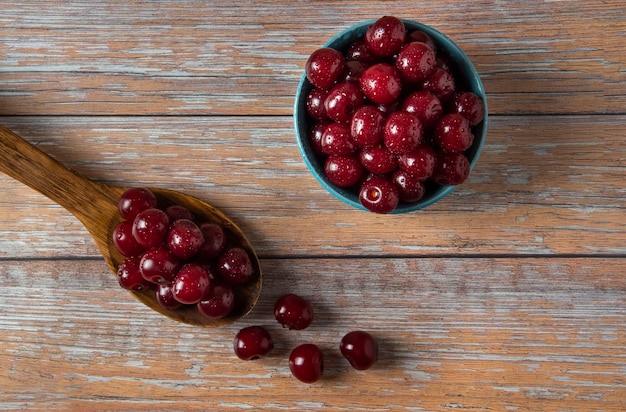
pixel 96 206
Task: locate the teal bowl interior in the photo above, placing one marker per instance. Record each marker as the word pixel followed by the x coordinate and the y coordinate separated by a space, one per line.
pixel 466 77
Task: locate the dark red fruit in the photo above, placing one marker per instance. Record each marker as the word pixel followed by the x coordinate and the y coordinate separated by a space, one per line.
pixel 150 227
pixel 159 265
pixel 381 83
pixel 124 240
pixel 214 240
pixel 190 284
pixel 352 71
pixel 219 302
pixel 306 363
pixel 359 51
pixel 420 163
pixel 379 195
pixel 410 189
pixel 135 200
pixel 315 136
pixel 342 101
pixel 324 67
pixel 385 36
pixel 360 349
pixel 252 342
pixel 453 133
pixel 293 312
pixel 423 37
pixel 441 83
pixel 366 127
pixel 425 105
pixel 165 297
pixel 336 140
pixel 177 212
pixel 402 132
pixel 415 61
pixel 234 266
pixel 468 105
pixel 184 239
pixel 451 169
pixel 129 275
pixel 315 104
pixel 378 160
pixel 343 171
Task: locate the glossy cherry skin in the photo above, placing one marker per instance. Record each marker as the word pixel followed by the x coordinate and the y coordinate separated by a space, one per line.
pixel 366 126
pixel 306 363
pixel 135 200
pixel 218 302
pixel 190 284
pixel 293 312
pixel 234 266
pixel 470 106
pixel 336 140
pixel 324 66
pixel 420 162
pixel 402 132
pixel 214 240
pixel 252 342
pixel 124 241
pixel 158 265
pixel 360 349
pixel 177 212
pixel 423 37
pixel 343 171
pixel 150 227
pixel 453 133
pixel 441 83
pixel 353 71
pixel 379 195
pixel 378 159
pixel 184 239
pixel 410 189
pixel 415 61
pixel 425 105
pixel 385 36
pixel 129 275
pixel 451 169
pixel 381 83
pixel 165 297
pixel 315 104
pixel 359 51
pixel 342 100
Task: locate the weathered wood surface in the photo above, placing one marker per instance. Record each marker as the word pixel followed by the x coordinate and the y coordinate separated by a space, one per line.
pixel 509 295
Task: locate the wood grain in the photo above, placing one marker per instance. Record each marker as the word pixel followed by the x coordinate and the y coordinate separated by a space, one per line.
pixel 508 295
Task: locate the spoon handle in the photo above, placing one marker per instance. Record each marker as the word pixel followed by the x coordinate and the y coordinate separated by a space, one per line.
pixel 91 202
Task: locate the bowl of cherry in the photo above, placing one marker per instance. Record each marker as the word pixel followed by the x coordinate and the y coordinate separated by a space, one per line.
pixel 390 115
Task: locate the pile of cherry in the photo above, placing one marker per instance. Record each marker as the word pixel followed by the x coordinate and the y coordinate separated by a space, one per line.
pixel 386 117
pixel 306 361
pixel 187 263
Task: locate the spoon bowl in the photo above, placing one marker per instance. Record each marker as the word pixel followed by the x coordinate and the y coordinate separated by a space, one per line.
pixel 96 206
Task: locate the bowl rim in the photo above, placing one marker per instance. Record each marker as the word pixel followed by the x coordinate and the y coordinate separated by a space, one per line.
pixel 350 34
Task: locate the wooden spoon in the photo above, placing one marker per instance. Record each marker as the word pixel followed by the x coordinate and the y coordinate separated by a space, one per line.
pixel 95 205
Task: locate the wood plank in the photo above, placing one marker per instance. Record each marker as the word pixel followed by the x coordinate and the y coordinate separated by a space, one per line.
pixel 525 334
pixel 543 185
pixel 208 58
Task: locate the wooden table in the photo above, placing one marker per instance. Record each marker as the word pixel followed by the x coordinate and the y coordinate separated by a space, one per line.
pixel 509 295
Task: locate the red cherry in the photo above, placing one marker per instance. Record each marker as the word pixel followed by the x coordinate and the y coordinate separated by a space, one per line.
pixel 410 189
pixel 150 227
pixel 184 238
pixel 402 132
pixel 343 171
pixel 425 105
pixel 453 133
pixel 451 169
pixel 315 104
pixel 324 66
pixel 135 200
pixel 336 140
pixel 415 61
pixel 124 241
pixel 366 127
pixel 469 106
pixel 342 101
pixel 159 265
pixel 441 83
pixel 306 363
pixel 293 312
pixel 252 342
pixel 381 83
pixel 360 349
pixel 234 266
pixel 420 163
pixel 379 195
pixel 190 284
pixel 385 36
pixel 129 275
pixel 378 160
pixel 218 302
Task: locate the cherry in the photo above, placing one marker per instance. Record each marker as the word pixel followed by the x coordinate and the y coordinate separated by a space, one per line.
pixel 360 349
pixel 190 284
pixel 415 61
pixel 451 169
pixel 252 342
pixel 378 159
pixel 379 195
pixel 306 363
pixel 315 136
pixel 214 240
pixel 366 126
pixel 324 66
pixel 423 37
pixel 385 36
pixel 184 239
pixel 342 101
pixel 453 133
pixel 381 83
pixel 234 266
pixel 135 200
pixel 165 297
pixel 150 227
pixel 441 83
pixel 469 106
pixel 293 312
pixel 402 132
pixel 420 163
pixel 336 140
pixel 343 171
pixel 315 104
pixel 410 189
pixel 353 70
pixel 425 105
pixel 218 302
pixel 129 275
pixel 124 241
pixel 159 265
pixel 359 51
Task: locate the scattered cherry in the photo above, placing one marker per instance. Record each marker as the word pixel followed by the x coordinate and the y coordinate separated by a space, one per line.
pixel 252 342
pixel 306 363
pixel 360 349
pixel 293 312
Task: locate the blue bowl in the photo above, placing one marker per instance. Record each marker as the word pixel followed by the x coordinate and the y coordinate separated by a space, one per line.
pixel 467 79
